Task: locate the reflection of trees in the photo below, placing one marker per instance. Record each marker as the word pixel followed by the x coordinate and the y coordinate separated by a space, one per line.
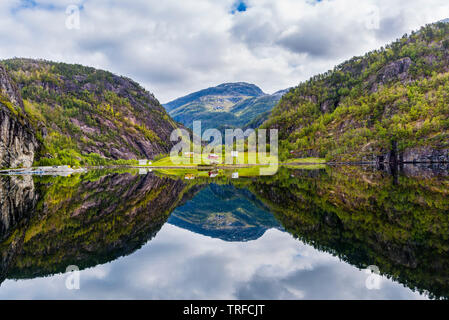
pixel 365 218
pixel 17 202
pixel 89 220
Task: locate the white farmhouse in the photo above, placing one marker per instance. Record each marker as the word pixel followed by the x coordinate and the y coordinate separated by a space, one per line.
pixel 143 162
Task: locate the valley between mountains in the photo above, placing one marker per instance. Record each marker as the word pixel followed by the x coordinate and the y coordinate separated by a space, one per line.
pixel 390 105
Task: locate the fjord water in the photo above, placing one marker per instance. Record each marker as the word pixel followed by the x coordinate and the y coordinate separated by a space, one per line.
pixel 300 234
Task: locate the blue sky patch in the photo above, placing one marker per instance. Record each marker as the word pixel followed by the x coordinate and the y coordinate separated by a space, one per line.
pixel 239 6
pixel 35 4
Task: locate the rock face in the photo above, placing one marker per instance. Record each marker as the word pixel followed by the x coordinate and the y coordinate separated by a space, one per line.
pixel 81 111
pixel 413 155
pixel 388 105
pixel 18 199
pixel 425 155
pixel 9 89
pixel 18 144
pixel 395 70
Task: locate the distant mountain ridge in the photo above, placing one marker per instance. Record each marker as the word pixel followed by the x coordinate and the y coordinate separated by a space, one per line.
pixel 227 105
pixel 225 89
pixel 224 212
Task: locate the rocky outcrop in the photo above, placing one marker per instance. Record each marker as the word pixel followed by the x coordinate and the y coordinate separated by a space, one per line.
pixel 395 70
pixel 98 111
pixel 413 155
pixel 17 140
pixel 425 155
pixel 9 89
pixel 18 199
pixel 354 112
pixel 18 144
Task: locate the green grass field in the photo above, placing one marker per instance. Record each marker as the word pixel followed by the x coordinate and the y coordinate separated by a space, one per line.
pixel 243 158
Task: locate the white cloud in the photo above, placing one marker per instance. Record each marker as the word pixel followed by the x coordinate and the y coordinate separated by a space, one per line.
pixel 179 264
pixel 175 47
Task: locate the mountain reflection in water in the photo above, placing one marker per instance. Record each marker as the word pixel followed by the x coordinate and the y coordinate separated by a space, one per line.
pixel 299 234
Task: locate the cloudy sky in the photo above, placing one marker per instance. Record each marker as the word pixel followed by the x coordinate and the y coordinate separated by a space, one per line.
pixel 276 266
pixel 174 47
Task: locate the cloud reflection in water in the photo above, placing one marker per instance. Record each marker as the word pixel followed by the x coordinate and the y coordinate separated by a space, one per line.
pixel 179 264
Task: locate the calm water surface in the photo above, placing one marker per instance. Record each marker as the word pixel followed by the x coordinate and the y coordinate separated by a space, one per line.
pixel 300 234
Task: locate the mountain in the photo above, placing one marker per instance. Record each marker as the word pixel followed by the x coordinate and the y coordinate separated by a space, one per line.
pixel 224 212
pixel 18 143
pixel 396 222
pixel 225 106
pixel 81 115
pixel 49 223
pixel 257 110
pixel 387 106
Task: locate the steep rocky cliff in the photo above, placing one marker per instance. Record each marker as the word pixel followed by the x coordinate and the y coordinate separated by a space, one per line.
pixel 389 105
pixel 17 139
pixel 82 114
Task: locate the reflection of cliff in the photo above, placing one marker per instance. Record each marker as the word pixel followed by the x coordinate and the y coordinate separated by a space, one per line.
pixel 368 217
pixel 17 199
pixel 224 212
pixel 17 202
pixel 91 220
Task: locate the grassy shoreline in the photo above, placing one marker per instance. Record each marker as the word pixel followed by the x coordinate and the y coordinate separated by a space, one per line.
pixel 243 159
pixel 165 163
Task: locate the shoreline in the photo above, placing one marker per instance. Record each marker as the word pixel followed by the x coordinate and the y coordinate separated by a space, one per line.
pixel 222 166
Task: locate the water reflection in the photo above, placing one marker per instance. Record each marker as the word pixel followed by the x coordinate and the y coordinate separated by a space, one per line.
pixel 225 212
pixel 227 239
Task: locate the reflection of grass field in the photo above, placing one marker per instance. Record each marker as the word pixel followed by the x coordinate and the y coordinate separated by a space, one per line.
pixel 306 166
pixel 248 172
pixel 243 158
pixel 242 172
pixel 183 172
pixel 305 160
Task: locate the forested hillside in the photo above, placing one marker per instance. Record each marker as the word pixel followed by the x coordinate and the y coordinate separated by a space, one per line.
pixel 389 105
pixel 82 115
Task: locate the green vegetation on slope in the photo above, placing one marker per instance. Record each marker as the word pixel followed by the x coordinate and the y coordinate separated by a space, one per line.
pixel 367 217
pixel 228 105
pixel 85 220
pixel 85 116
pixel 389 103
